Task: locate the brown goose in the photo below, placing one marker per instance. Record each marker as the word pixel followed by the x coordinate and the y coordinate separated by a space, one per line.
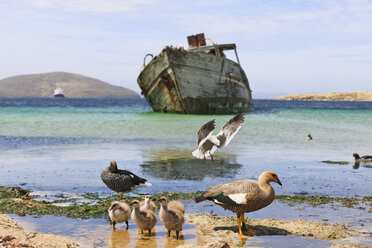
pixel 172 215
pixel 121 181
pixel 243 196
pixel 208 143
pixel 119 212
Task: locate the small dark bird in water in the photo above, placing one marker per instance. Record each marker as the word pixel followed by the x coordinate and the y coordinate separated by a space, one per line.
pixel 121 181
pixel 208 143
pixel 308 137
pixel 242 196
pixel 363 159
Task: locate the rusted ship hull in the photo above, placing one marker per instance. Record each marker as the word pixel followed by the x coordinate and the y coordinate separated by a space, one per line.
pixel 195 83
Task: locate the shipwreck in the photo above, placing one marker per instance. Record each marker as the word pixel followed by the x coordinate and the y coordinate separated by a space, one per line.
pixel 199 80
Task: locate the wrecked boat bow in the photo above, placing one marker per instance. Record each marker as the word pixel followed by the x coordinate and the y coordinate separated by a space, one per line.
pixel 200 80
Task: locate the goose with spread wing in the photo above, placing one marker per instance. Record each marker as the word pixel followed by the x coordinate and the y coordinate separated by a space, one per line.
pixel 121 181
pixel 208 143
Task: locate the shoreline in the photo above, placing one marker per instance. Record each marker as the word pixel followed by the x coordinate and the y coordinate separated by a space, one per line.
pixel 210 227
pixel 335 96
pixel 16 200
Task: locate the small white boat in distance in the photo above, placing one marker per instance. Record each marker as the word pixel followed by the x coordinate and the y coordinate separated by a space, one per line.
pixel 58 93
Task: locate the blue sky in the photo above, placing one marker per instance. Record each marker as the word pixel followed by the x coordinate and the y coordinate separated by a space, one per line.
pixel 284 46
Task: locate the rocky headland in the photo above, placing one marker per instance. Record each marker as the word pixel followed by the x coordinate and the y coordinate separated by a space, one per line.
pixel 73 85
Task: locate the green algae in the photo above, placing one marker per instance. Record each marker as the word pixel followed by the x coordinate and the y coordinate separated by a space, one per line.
pixel 13 192
pixel 16 200
pixel 335 162
pixel 318 200
pixel 31 207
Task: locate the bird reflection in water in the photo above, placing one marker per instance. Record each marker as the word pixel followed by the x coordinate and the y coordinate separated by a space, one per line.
pixel 159 237
pixel 165 164
pixel 146 241
pixel 357 164
pixel 171 242
pixel 119 238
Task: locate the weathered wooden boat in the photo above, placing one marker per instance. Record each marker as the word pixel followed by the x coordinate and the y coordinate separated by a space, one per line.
pixel 200 80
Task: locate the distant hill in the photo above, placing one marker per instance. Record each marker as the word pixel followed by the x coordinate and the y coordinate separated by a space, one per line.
pixel 347 96
pixel 73 85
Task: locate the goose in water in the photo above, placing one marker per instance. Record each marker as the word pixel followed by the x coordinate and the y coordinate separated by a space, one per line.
pixel 363 159
pixel 121 181
pixel 172 215
pixel 242 196
pixel 119 212
pixel 208 143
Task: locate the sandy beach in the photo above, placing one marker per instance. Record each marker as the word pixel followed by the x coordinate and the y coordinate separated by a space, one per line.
pixel 13 235
pixel 225 229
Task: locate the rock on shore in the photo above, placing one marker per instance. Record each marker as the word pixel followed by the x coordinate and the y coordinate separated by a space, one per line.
pixel 336 96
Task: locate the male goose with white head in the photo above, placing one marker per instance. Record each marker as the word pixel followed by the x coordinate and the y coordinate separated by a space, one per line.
pixel 242 196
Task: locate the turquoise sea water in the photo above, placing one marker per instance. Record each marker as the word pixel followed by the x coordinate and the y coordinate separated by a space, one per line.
pixel 61 145
pixel 54 146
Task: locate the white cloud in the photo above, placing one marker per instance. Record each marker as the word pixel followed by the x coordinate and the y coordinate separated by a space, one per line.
pixel 342 17
pixel 96 6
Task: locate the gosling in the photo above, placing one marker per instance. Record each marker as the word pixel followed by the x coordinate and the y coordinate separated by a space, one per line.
pixel 147 203
pixel 119 212
pixel 145 219
pixel 172 215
